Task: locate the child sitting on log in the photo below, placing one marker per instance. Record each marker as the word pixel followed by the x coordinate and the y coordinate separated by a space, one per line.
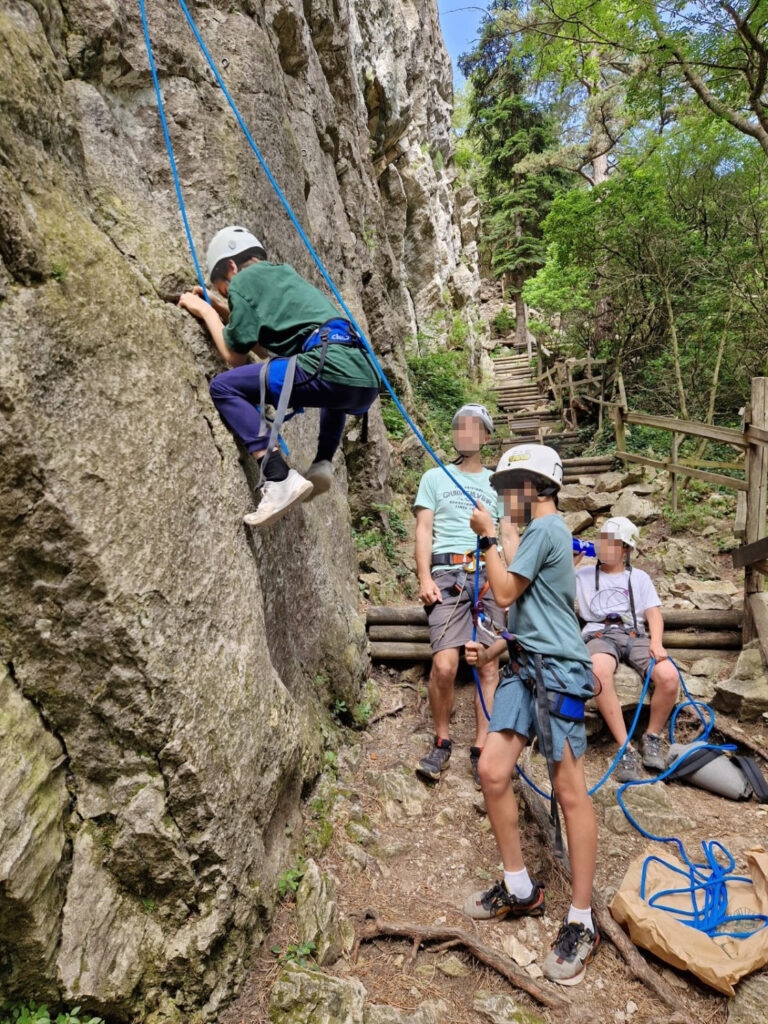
pixel 623 622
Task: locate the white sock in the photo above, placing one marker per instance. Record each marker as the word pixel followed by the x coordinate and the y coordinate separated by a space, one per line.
pixel 518 883
pixel 576 916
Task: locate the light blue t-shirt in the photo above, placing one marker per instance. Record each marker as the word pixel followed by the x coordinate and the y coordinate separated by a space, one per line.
pixel 452 509
pixel 543 618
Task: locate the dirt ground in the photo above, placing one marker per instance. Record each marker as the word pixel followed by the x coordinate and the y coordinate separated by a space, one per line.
pixel 420 868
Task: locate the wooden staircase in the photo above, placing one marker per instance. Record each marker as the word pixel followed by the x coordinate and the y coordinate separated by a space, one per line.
pixel 518 393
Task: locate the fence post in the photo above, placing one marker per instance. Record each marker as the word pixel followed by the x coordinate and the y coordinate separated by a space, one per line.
pixel 757 483
pixel 675 447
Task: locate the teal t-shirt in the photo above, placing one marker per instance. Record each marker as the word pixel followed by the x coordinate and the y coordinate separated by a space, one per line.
pixel 273 306
pixel 451 530
pixel 543 618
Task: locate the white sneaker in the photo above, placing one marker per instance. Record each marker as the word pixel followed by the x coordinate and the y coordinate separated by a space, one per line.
pixel 320 475
pixel 277 497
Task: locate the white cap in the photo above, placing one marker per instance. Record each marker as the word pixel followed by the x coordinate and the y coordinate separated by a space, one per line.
pixel 229 243
pixel 529 459
pixel 479 412
pixel 623 529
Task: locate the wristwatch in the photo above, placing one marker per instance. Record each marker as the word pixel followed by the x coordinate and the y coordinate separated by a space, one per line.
pixel 488 542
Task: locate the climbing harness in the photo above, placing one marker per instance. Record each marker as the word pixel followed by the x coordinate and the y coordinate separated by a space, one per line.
pixel 279 374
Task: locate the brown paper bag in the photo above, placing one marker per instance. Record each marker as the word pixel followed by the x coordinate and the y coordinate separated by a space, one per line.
pixel 718 962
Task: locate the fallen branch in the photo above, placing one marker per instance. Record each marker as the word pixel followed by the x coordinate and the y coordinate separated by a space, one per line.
pixel 420 934
pixel 609 928
pixel 386 714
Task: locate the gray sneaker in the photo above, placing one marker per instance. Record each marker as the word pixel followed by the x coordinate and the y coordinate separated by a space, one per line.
pixel 575 945
pixel 653 756
pixel 433 764
pixel 320 475
pixel 628 768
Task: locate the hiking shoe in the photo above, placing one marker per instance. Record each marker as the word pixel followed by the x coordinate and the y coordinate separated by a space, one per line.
pixel 474 757
pixel 497 902
pixel 653 756
pixel 320 475
pixel 277 496
pixel 436 761
pixel 628 768
pixel 575 945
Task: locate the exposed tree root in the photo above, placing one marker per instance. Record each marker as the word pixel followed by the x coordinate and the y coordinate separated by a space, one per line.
pixel 419 934
pixel 385 714
pixel 610 929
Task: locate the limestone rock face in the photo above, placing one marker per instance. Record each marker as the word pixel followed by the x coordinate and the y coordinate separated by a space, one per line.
pixel 166 668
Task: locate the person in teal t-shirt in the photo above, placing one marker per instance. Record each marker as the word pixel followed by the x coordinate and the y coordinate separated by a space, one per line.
pixel 445 546
pixel 543 690
pixel 272 311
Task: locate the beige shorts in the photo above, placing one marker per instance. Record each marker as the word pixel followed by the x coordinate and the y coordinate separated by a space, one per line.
pixel 450 620
pixel 635 651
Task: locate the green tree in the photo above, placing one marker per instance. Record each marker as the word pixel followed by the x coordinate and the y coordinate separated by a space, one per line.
pixel 674 241
pixel 505 127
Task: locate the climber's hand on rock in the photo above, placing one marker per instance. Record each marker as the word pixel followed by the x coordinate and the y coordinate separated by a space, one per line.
pixel 221 307
pixel 194 304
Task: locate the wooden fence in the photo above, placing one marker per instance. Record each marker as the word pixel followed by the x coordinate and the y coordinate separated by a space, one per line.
pixel 751 442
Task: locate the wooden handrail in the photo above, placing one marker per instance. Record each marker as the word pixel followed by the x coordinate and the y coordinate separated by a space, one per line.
pixel 748 554
pixel 728 435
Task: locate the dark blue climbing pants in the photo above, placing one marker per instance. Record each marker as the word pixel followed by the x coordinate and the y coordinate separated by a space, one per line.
pixel 236 395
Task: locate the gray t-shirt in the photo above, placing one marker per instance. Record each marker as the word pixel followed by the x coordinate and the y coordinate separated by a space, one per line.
pixel 542 618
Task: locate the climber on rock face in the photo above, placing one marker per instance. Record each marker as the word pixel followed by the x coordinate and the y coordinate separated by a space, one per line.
pixel 445 549
pixel 315 359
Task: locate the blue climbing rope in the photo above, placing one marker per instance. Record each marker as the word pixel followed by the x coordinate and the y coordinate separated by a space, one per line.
pixel 708 880
pixel 169 148
pixel 286 205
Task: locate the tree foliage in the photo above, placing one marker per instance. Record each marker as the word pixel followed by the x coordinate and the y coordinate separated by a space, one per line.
pixel 640 127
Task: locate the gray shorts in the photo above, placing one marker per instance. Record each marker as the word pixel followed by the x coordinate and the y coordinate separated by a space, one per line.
pixel 616 642
pixel 513 706
pixel 450 621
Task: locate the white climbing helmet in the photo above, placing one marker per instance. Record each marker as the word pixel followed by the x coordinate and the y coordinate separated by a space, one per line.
pixel 479 412
pixel 623 529
pixel 229 243
pixel 528 459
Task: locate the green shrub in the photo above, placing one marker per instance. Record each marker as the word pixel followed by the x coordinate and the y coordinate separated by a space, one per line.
pixel 504 321
pixel 18 1013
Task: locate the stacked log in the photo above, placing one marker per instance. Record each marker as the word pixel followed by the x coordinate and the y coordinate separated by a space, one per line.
pixel 400 633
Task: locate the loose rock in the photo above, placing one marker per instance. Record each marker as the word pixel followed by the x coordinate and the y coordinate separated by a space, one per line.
pixel 502 1009
pixel 317 914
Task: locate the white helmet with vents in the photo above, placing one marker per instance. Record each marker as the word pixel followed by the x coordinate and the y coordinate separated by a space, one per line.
pixel 528 460
pixel 229 243
pixel 621 528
